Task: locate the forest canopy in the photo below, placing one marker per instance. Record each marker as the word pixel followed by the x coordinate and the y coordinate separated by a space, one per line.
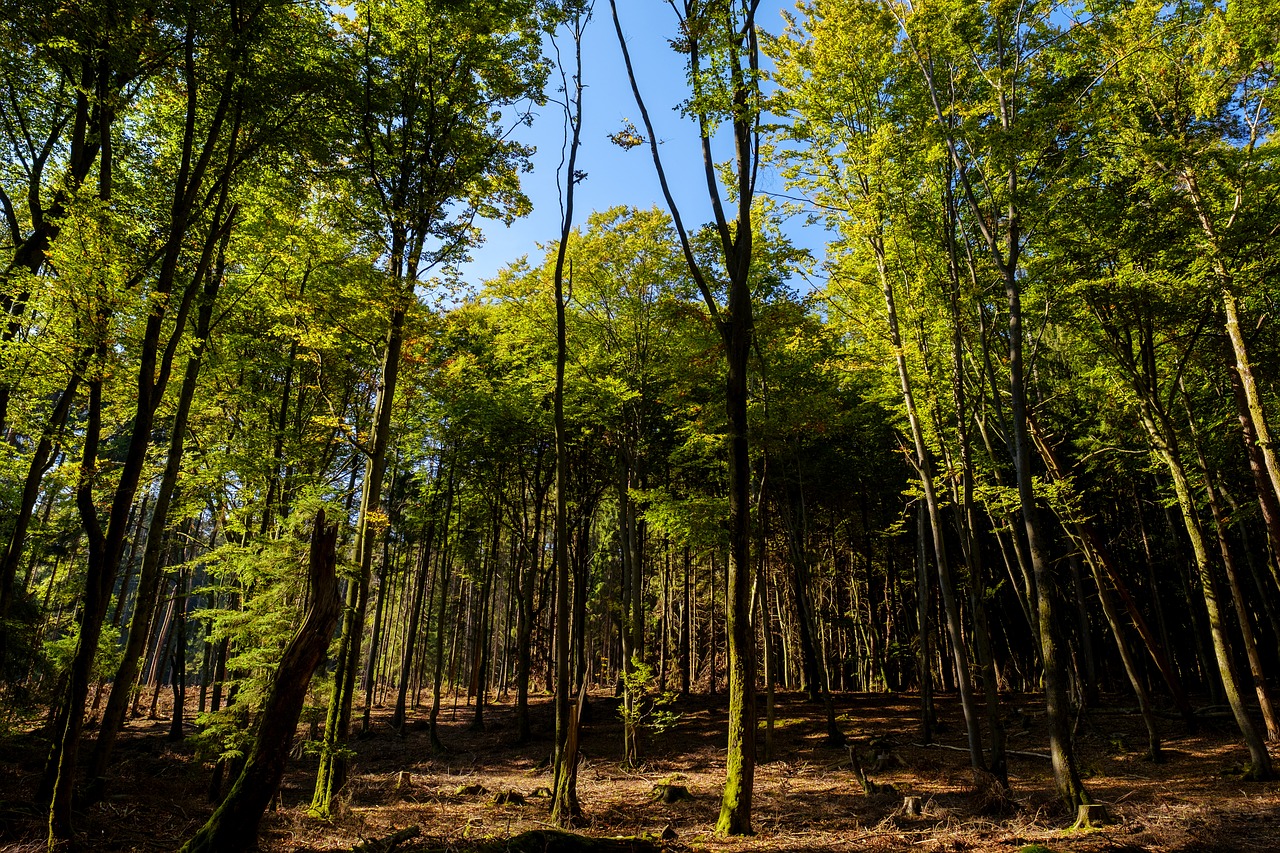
pixel 271 456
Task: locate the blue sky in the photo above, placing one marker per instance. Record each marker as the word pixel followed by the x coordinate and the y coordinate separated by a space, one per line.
pixel 615 176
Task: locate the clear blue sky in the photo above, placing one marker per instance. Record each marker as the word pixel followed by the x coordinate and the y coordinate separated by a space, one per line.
pixel 616 176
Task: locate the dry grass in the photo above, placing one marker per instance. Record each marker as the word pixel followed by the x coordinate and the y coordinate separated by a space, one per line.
pixel 807 799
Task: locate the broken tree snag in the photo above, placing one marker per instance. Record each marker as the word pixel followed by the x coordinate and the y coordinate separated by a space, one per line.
pixel 1090 815
pixel 234 826
pixel 670 793
pixel 868 787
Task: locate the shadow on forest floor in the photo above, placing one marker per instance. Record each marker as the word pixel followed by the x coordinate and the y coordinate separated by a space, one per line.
pixel 806 799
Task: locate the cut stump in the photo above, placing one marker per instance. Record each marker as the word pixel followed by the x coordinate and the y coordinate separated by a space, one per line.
pixel 668 793
pixel 1090 815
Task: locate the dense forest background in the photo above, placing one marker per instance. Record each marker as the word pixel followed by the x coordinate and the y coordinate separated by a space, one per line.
pixel 1011 433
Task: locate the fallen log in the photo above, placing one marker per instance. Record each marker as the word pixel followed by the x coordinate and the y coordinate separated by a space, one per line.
pixel 1018 752
pixel 388 843
pixel 541 841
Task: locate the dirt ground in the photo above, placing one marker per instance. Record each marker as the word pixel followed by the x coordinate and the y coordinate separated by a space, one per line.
pixel 807 799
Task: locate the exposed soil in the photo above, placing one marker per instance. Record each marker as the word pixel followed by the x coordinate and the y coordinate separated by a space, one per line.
pixel 807 799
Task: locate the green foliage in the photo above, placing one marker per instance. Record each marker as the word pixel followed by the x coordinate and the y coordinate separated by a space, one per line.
pixel 647 707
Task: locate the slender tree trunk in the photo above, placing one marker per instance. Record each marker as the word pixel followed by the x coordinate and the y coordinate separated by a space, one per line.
pixel 333 771
pixel 924 594
pixel 1131 670
pixel 424 568
pixel 1165 445
pixel 442 587
pixel 686 625
pixel 1268 502
pixel 524 614
pixel 39 465
pixel 924 470
pixel 565 808
pixel 179 673
pixel 385 570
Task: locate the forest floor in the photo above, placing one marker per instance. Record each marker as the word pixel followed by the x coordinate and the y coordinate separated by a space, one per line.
pixel 807 799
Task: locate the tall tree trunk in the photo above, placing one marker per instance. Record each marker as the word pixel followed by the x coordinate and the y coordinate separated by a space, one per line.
pixel 1243 617
pixel 122 685
pixel 736 326
pixel 923 464
pixel 565 809
pixel 155 360
pixel 332 773
pixel 1165 445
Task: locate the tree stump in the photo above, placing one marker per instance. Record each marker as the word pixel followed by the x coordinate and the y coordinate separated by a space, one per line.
pixel 670 793
pixel 508 798
pixel 913 806
pixel 1090 815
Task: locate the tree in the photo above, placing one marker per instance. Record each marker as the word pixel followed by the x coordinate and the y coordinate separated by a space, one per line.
pixel 428 146
pixel 234 825
pixel 721 42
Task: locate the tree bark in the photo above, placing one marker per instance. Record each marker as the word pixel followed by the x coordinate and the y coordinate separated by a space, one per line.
pixel 333 771
pixel 233 827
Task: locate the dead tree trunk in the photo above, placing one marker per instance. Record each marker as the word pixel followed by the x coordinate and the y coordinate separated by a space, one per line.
pixel 234 826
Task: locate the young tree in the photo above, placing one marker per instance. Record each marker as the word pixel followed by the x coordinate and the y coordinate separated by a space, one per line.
pixel 721 43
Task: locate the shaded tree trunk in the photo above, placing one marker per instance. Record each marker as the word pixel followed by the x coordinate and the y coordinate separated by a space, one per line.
pixel 233 827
